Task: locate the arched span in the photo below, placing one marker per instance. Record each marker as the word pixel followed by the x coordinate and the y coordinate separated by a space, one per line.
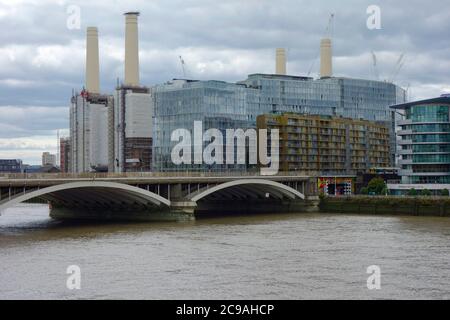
pixel 272 185
pixel 127 191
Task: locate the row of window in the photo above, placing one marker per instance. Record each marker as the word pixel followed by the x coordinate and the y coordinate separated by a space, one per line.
pixel 428 113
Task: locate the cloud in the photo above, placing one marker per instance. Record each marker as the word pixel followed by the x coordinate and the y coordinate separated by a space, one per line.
pixel 41 60
pixel 25 121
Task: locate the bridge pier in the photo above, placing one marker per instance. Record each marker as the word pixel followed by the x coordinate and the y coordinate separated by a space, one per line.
pixel 63 213
pixel 257 206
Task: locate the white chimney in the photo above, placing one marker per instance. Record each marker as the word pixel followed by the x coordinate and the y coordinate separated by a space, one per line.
pixel 280 64
pixel 326 67
pixel 131 49
pixel 92 65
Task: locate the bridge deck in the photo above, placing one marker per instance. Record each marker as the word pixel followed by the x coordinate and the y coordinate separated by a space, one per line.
pixel 52 179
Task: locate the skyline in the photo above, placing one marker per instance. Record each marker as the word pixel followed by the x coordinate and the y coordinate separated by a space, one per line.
pixel 45 61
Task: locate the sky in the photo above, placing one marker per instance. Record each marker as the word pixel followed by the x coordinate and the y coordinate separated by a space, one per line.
pixel 42 50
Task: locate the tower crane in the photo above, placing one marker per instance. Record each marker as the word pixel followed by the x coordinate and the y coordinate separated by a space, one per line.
pixel 375 67
pixel 183 66
pixel 398 66
pixel 328 34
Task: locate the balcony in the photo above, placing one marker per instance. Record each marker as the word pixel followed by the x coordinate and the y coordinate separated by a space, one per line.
pixel 404 132
pixel 405 161
pixel 403 142
pixel 404 122
pixel 404 151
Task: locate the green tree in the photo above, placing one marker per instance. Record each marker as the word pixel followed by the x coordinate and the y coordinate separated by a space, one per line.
pixel 412 192
pixel 364 190
pixel 425 192
pixel 444 193
pixel 376 186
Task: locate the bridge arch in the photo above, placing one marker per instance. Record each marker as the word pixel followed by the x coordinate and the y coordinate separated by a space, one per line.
pixel 259 186
pixel 94 191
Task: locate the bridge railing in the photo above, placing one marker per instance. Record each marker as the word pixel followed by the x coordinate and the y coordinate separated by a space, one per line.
pixel 12 176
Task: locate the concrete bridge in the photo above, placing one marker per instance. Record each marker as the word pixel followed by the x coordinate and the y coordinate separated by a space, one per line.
pixel 157 196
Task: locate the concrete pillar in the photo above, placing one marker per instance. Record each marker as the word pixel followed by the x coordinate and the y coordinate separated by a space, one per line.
pixel 326 67
pixel 280 64
pixel 131 49
pixel 92 61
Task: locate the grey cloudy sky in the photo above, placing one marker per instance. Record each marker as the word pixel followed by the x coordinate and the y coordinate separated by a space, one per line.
pixel 41 60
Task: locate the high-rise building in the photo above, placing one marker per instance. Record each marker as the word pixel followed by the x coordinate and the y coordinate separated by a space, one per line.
pixel 112 132
pixel 179 103
pixel 90 114
pixel 90 132
pixel 327 145
pixel 221 105
pixel 423 140
pixel 133 114
pixel 64 152
pixel 48 159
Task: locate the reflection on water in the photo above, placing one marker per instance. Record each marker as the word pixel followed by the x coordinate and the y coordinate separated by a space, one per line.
pixel 279 256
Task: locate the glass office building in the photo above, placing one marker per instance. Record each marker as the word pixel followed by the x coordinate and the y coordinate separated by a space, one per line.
pixel 424 145
pixel 179 103
pixel 222 105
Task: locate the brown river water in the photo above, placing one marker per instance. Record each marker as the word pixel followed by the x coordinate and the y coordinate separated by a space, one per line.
pixel 278 256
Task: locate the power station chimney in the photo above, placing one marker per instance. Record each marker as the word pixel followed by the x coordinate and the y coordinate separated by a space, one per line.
pixel 131 49
pixel 92 65
pixel 326 67
pixel 280 65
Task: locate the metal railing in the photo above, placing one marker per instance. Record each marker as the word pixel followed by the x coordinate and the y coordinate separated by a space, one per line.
pixel 45 176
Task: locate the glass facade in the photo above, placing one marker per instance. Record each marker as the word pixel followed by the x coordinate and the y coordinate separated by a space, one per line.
pixel 424 140
pixel 221 105
pixel 177 105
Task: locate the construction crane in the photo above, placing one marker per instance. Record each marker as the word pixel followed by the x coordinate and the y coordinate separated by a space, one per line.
pixel 328 34
pixel 398 66
pixel 183 66
pixel 375 68
pixel 329 29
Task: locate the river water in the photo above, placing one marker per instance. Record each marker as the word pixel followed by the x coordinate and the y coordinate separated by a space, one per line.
pixel 279 256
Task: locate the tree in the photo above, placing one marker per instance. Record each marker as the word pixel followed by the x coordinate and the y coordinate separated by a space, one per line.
pixel 364 190
pixel 412 192
pixel 425 192
pixel 376 186
pixel 444 192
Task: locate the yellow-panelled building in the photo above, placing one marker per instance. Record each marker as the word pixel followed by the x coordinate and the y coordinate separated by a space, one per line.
pixel 317 144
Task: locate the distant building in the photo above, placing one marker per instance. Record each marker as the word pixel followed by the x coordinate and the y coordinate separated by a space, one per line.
pixel 64 154
pixel 48 159
pixel 112 132
pixel 224 105
pixel 90 113
pixel 11 166
pixel 131 130
pixel 133 125
pixel 423 140
pixel 90 132
pixel 325 145
pixel 41 169
pixel 133 114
